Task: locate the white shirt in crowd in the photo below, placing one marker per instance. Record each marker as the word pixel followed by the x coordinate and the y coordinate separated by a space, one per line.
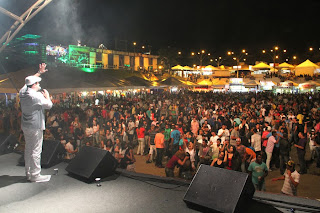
pixel 224 133
pixel 256 142
pixel 288 188
pixel 214 139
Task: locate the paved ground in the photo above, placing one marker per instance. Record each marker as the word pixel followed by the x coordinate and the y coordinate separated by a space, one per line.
pixel 309 186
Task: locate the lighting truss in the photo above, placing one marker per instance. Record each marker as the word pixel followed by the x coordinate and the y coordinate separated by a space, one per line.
pixel 20 21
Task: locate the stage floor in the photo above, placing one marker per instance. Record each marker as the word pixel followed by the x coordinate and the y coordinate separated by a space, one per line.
pixel 118 193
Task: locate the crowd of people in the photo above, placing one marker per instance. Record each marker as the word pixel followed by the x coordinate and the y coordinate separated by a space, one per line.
pixel 246 132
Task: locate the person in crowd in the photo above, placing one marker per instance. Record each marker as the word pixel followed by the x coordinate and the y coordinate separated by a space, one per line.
pixel 284 152
pixel 126 157
pixel 195 126
pixel 219 161
pixel 108 146
pixel 131 128
pixel 256 141
pixel 179 158
pixel 241 149
pixel 48 135
pixel 291 179
pixel 95 133
pixel 232 158
pixel 140 134
pixel 175 138
pixel 223 133
pixel 301 146
pixel 117 148
pixel 71 149
pixel 190 149
pixel 216 148
pixel 160 146
pixel 89 134
pixel 234 135
pixel 167 139
pixel 109 135
pixel 205 153
pixel 269 148
pixel 250 156
pixel 78 136
pixel 151 143
pixel 258 170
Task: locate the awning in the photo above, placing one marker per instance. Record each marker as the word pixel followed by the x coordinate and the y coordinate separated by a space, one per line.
pixel 285 65
pixel 307 63
pixel 178 67
pixel 261 66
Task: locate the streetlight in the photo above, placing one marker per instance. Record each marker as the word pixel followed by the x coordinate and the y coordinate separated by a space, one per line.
pixel 219 60
pixel 134 54
pixel 274 55
pixel 238 58
pixel 201 55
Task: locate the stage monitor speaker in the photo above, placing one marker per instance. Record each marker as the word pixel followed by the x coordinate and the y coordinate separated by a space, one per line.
pixel 219 190
pixel 52 154
pixel 91 163
pixel 8 143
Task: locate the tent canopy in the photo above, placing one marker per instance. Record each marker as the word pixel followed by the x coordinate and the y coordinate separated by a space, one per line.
pixel 187 68
pixel 172 82
pixel 285 65
pixel 252 83
pixel 306 68
pixel 219 82
pixel 205 82
pixel 210 67
pixel 177 67
pixel 261 66
pixel 307 63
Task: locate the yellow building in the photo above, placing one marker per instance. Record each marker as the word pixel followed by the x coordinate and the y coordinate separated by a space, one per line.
pixel 81 56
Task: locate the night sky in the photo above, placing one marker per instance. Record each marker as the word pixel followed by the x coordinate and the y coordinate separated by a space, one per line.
pixel 216 26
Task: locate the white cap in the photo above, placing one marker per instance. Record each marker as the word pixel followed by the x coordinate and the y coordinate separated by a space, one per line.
pixel 269 128
pixel 32 80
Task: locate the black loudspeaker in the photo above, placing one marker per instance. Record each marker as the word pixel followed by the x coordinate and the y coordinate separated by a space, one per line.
pixel 52 154
pixel 219 190
pixel 8 143
pixel 91 163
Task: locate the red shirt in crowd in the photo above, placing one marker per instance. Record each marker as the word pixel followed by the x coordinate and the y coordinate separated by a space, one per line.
pixel 141 132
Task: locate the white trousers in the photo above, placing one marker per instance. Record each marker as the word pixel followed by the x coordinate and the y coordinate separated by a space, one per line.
pixel 269 156
pixel 33 149
pixel 140 149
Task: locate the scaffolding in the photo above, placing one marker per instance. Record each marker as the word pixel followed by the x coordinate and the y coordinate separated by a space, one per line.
pixel 20 21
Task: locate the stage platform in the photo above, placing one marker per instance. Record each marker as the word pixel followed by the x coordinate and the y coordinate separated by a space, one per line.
pixel 122 192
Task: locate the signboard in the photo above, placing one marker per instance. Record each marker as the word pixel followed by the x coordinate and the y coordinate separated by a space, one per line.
pixel 285 84
pixel 306 86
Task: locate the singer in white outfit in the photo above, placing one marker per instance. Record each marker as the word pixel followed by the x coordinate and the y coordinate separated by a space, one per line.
pixel 33 103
